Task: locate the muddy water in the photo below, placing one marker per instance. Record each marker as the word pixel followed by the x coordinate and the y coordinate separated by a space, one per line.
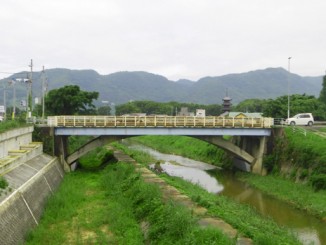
pixel 308 229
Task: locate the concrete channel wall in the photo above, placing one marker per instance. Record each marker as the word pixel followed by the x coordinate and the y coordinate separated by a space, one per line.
pixel 34 177
pixel 13 139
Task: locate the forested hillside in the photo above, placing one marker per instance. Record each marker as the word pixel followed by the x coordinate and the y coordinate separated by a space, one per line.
pixel 125 86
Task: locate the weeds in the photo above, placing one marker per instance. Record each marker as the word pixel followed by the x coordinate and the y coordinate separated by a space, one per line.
pixel 8 124
pixel 109 206
pixel 242 217
pixel 3 183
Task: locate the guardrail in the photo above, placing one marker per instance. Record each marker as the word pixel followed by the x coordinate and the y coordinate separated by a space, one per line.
pixel 158 121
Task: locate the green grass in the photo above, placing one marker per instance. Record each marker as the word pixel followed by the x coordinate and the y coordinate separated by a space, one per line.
pixel 75 213
pixel 185 146
pixel 322 129
pixel 303 156
pixel 113 205
pixel 262 230
pixel 306 151
pixel 168 223
pixel 7 125
pixel 303 153
pixel 95 158
pixel 300 195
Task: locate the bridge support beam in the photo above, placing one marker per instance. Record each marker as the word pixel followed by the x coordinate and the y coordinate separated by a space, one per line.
pixel 229 147
pixel 91 145
pixel 61 148
pixel 246 149
pixel 255 146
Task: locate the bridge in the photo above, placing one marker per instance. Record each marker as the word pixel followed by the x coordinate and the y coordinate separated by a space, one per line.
pixel 248 145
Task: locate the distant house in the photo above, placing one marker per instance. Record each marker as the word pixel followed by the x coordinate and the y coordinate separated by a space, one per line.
pixel 245 114
pixel 184 112
pixel 135 115
pixel 200 113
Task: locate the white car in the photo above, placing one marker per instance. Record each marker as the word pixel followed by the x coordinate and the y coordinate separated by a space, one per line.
pixel 301 119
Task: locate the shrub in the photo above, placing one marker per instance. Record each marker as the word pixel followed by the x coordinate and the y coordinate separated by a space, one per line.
pixel 269 162
pixel 3 183
pixel 95 158
pixel 318 181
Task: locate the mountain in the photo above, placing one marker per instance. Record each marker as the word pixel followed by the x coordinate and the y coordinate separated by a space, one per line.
pixel 121 87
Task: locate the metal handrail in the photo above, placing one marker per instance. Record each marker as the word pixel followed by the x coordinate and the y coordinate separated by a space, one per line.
pixel 159 121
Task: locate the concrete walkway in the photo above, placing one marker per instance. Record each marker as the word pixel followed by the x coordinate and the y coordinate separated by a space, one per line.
pixel 170 192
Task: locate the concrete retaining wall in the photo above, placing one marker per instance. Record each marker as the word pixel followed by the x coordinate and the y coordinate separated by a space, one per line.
pixel 23 206
pixel 13 139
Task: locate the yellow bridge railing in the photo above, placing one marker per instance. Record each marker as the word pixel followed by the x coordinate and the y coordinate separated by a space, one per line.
pixel 159 121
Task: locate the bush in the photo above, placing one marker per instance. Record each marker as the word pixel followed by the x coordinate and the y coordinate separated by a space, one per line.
pixel 3 183
pixel 318 181
pixel 269 162
pixel 95 158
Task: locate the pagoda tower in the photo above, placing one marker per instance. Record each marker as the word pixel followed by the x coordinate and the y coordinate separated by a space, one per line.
pixel 226 103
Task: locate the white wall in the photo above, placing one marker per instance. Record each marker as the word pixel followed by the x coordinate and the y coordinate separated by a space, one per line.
pixel 13 139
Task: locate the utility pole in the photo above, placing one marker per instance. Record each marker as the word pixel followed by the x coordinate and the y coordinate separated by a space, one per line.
pixel 4 101
pixel 289 59
pixel 43 92
pixel 30 98
pixel 13 84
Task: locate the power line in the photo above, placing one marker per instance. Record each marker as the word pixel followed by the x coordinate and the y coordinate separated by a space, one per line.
pixel 6 72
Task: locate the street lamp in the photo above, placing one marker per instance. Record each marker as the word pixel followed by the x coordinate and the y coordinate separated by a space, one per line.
pixel 13 82
pixel 289 59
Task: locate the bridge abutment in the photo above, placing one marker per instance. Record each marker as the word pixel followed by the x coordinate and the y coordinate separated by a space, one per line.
pixel 256 146
pixel 60 149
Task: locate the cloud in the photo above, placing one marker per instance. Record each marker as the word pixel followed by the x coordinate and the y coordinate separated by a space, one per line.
pixel 177 39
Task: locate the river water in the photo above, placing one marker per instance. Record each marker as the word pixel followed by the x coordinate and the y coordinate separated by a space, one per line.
pixel 307 228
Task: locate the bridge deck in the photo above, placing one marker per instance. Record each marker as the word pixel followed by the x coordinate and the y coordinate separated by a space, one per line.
pixel 159 125
pixel 159 121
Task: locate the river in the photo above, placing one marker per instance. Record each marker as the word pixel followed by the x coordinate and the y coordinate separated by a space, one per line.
pixel 307 228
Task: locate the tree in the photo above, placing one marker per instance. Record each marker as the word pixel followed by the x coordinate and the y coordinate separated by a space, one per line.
pixel 69 100
pixel 104 110
pixel 127 108
pixel 322 95
pixel 277 108
pixel 251 105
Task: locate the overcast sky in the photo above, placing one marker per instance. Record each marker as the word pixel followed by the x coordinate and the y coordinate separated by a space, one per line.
pixel 174 38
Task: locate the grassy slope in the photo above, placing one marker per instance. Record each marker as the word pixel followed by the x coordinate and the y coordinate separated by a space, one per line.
pixel 304 151
pixel 113 206
pixel 299 195
pixel 242 217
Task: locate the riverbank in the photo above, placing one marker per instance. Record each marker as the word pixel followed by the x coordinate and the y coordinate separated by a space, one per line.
pixel 245 219
pixel 296 194
pixel 187 147
pixel 113 205
pixel 302 196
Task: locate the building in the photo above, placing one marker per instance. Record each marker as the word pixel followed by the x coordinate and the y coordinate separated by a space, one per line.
pixel 226 106
pixel 244 115
pixel 200 113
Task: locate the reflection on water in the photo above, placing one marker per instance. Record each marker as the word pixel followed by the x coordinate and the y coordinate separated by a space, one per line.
pixel 193 175
pixel 308 229
pixel 185 168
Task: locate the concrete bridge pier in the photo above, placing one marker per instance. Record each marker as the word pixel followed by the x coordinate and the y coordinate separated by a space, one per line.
pixel 256 146
pixel 60 149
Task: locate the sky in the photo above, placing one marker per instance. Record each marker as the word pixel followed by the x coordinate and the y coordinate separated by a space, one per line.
pixel 178 39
